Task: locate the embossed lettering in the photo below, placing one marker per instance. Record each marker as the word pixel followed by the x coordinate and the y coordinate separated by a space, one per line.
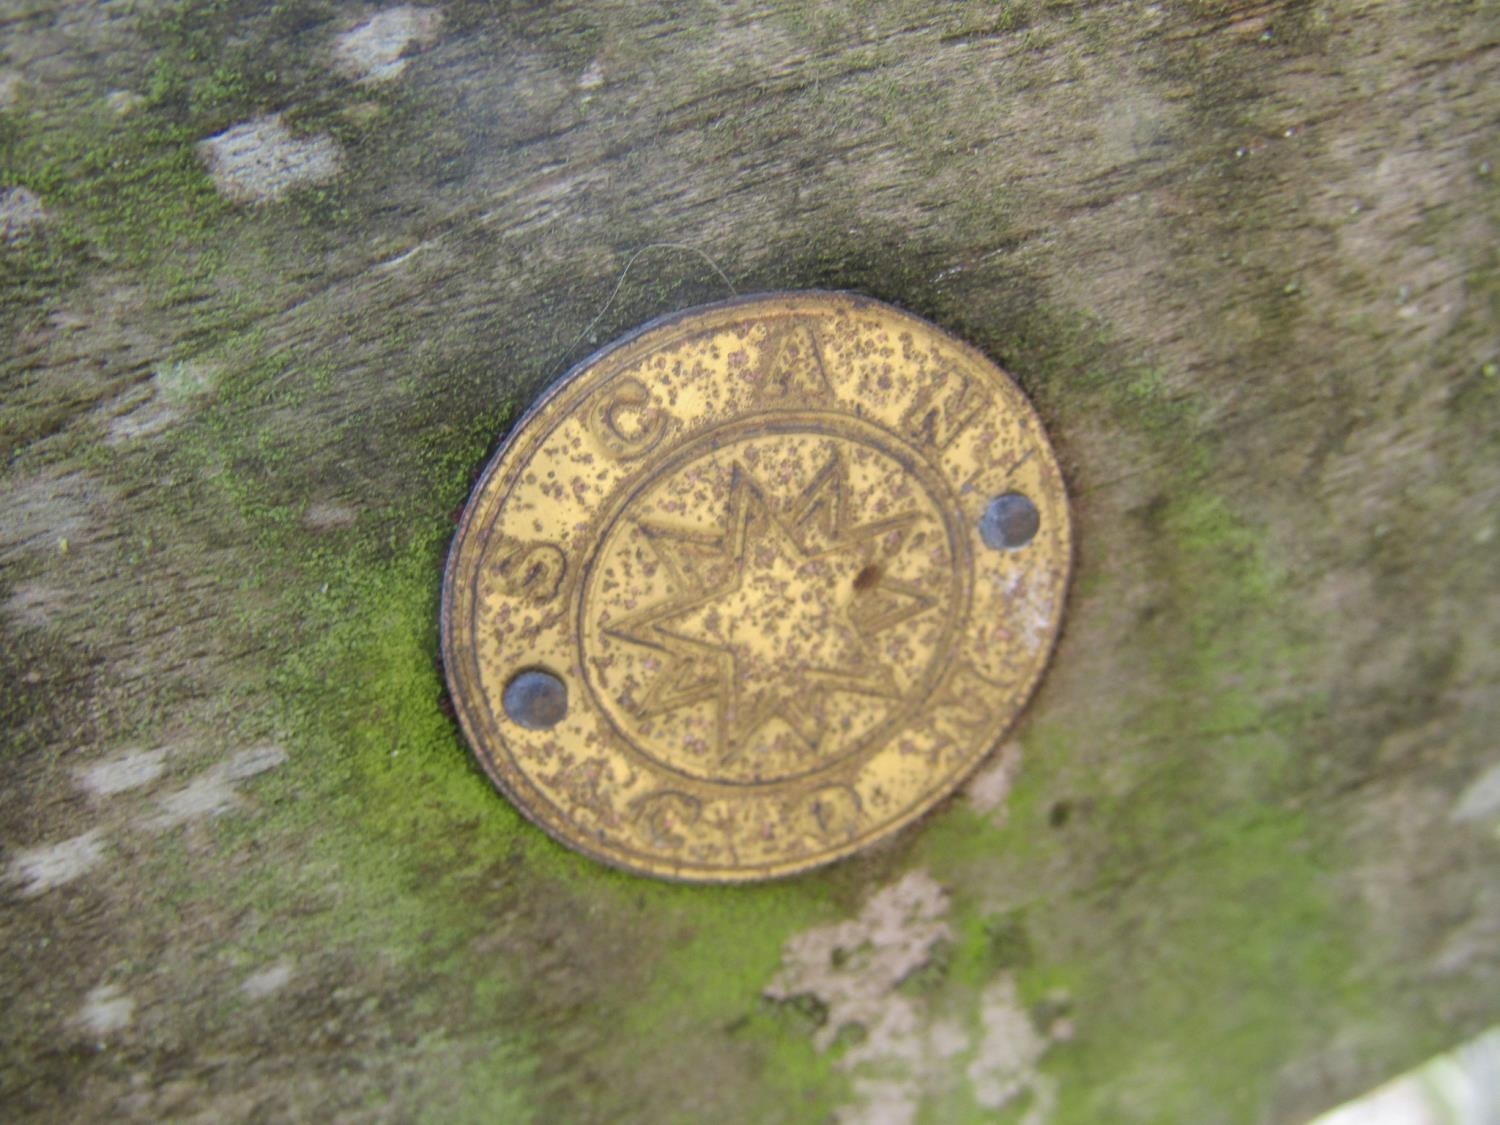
pixel 796 367
pixel 833 812
pixel 663 812
pixel 532 570
pixel 606 420
pixel 941 411
pixel 968 699
pixel 991 479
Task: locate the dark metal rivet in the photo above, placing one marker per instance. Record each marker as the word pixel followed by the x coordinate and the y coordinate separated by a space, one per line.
pixel 1010 522
pixel 536 700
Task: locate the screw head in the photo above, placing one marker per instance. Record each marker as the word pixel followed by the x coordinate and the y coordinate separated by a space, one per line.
pixel 536 700
pixel 1010 522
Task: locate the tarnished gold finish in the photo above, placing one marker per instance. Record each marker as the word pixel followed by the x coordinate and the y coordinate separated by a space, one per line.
pixel 756 586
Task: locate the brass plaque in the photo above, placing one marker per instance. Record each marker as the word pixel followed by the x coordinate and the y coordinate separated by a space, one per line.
pixel 756 586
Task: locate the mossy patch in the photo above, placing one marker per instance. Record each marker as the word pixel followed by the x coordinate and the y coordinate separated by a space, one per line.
pixel 428 855
pixel 384 760
pixel 117 191
pixel 432 856
pixel 1195 920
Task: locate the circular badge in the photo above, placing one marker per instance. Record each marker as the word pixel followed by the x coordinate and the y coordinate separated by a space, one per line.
pixel 756 586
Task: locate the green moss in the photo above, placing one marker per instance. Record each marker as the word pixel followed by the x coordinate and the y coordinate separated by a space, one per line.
pixel 1195 922
pixel 128 189
pixel 367 701
pixel 383 787
pixel 368 688
pixel 484 1091
pixel 431 862
pixel 1248 909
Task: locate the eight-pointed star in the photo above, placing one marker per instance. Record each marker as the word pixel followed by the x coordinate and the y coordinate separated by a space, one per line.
pixel 732 634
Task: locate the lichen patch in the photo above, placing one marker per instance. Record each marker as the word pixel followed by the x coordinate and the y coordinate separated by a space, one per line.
pixel 270 980
pixel 329 515
pixel 209 795
pixel 592 77
pixel 213 792
pixel 992 784
pixel 852 966
pixel 11 87
pixel 121 772
pixel 143 416
pixel 1005 1066
pixel 122 103
pixel 156 406
pixel 379 49
pixel 21 212
pixel 185 379
pixel 905 1053
pixel 35 605
pixel 106 1010
pixel 259 161
pixel 1480 802
pixel 45 868
pixel 257 759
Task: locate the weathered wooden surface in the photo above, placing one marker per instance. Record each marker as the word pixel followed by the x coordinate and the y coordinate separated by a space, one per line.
pixel 1242 255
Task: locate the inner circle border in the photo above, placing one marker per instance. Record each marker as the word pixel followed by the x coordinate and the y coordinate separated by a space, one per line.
pixel 825 423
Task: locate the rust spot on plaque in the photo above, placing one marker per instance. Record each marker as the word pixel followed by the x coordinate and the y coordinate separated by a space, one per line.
pixel 792 564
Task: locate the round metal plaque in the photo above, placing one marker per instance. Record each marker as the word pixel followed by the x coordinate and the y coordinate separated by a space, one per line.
pixel 756 586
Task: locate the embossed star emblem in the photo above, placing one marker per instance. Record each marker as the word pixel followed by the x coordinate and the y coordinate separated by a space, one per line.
pixel 773 609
